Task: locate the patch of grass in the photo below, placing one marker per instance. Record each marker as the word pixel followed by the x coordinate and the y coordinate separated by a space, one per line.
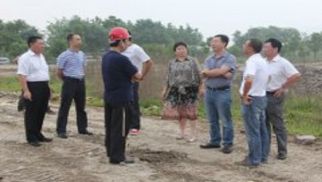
pixel 9 84
pixel 151 107
pixel 95 101
pixel 303 115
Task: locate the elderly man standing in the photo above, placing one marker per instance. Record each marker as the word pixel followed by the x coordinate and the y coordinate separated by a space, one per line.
pixel 253 92
pixel 71 69
pixel 282 76
pixel 218 73
pixel 34 76
pixel 118 75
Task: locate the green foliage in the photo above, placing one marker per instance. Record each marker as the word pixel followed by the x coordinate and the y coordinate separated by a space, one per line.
pixel 315 43
pixel 13 37
pixel 9 84
pixel 295 45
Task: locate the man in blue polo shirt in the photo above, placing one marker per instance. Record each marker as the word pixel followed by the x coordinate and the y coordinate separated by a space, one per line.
pixel 71 69
pixel 218 73
pixel 118 76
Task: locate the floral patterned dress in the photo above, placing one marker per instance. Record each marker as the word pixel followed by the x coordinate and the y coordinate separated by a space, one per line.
pixel 183 81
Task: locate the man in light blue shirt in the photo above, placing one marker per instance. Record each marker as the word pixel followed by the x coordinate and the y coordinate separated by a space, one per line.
pixel 71 69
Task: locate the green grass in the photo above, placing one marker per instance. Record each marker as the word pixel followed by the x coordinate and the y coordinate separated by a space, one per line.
pixel 9 84
pixel 303 115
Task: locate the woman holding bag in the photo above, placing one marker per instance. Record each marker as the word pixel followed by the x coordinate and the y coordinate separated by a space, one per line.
pixel 180 94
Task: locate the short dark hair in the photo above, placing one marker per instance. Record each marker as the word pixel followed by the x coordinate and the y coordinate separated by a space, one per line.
pixel 275 43
pixel 32 39
pixel 130 33
pixel 256 44
pixel 116 43
pixel 177 44
pixel 223 38
pixel 70 36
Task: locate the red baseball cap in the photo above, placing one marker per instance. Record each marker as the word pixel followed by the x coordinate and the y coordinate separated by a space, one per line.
pixel 118 33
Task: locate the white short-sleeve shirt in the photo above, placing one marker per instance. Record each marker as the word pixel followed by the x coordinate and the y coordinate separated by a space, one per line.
pixel 33 66
pixel 280 69
pixel 256 67
pixel 137 56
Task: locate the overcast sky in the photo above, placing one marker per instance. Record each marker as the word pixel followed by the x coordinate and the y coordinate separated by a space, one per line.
pixel 209 16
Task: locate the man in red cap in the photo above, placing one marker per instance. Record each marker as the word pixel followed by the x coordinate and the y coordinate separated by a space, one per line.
pixel 118 76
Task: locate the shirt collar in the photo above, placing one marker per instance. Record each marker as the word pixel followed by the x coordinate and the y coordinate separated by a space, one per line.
pixel 186 59
pixel 255 55
pixel 32 53
pixel 73 51
pixel 225 54
pixel 275 59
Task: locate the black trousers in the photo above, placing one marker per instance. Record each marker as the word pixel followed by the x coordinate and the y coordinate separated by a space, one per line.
pixel 36 110
pixel 117 122
pixel 136 120
pixel 72 89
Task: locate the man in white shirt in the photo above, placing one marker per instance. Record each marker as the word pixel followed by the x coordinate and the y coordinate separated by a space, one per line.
pixel 253 92
pixel 282 75
pixel 143 63
pixel 34 76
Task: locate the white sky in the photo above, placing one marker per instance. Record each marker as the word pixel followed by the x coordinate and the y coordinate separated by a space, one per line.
pixel 209 16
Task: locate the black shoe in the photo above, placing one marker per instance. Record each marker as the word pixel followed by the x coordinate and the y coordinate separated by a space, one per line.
pixel 47 140
pixel 86 133
pixel 281 156
pixel 62 135
pixel 227 149
pixel 34 144
pixel 209 146
pixel 127 161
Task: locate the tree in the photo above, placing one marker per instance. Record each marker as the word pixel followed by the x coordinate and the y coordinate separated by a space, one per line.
pixel 93 35
pixel 315 43
pixel 13 37
pixel 290 37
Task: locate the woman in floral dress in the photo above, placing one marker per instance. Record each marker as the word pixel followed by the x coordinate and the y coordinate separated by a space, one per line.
pixel 180 94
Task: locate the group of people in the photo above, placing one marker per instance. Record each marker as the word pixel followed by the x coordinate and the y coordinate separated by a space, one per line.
pixel 34 76
pixel 121 78
pixel 266 79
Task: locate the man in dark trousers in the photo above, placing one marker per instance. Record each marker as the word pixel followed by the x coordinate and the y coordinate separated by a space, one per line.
pixel 71 69
pixel 118 76
pixel 142 61
pixel 34 76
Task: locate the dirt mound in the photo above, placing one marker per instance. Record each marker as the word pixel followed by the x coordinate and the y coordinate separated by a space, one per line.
pixel 311 82
pixel 150 156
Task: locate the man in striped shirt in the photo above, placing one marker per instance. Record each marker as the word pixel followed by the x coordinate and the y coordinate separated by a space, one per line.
pixel 71 69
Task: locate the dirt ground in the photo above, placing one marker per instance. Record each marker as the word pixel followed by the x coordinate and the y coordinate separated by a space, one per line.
pixel 159 156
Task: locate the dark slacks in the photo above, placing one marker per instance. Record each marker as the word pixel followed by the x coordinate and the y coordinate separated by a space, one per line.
pixel 36 110
pixel 117 124
pixel 72 89
pixel 136 120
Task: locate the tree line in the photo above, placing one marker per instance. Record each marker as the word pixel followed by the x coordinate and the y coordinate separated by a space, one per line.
pixel 155 37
